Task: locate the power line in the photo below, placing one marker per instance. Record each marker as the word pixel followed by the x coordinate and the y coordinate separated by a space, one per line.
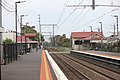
pixel 99 17
pixel 70 14
pixel 6 8
pixel 63 10
pixel 8 3
pixel 82 17
pixel 79 16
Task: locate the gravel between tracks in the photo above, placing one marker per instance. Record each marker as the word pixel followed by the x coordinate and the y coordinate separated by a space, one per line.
pixel 93 72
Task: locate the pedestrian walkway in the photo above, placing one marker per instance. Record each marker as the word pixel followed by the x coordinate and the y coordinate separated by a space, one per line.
pixel 26 68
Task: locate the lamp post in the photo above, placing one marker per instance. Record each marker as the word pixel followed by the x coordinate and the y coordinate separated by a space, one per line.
pixel 117 26
pixel 25 38
pixel 16 22
pixel 91 38
pixel 21 16
pixel 91 28
pixel 101 35
pixel 116 22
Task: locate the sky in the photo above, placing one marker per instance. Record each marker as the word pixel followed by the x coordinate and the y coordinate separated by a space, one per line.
pixel 68 19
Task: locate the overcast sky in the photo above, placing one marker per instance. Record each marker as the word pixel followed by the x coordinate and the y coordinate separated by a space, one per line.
pixel 67 19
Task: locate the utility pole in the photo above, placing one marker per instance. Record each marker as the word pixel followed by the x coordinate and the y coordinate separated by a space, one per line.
pixel 101 36
pixel 0 13
pixel 16 26
pixel 40 29
pixel 21 33
pixel 0 34
pixel 21 16
pixel 16 23
pixel 93 5
pixel 91 38
pixel 114 32
pixel 91 28
pixel 53 36
pixel 117 26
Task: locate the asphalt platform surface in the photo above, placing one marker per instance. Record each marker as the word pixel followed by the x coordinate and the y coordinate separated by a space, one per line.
pixel 27 67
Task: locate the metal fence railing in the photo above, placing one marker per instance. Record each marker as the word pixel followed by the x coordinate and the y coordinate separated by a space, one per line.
pixel 1 53
pixel 9 53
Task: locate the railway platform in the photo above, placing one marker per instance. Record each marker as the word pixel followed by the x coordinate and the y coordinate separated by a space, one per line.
pixel 112 55
pixel 27 67
pixel 31 66
pixel 41 66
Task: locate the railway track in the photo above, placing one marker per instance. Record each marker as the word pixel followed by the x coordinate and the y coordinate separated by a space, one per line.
pixel 84 70
pixel 69 70
pixel 52 49
pixel 97 62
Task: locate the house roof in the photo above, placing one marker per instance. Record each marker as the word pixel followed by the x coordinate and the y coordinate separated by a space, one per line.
pixel 23 40
pixel 87 35
pixel 30 35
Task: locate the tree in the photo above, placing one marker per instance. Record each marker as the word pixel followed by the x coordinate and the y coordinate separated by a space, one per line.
pixel 29 29
pixel 8 41
pixel 62 41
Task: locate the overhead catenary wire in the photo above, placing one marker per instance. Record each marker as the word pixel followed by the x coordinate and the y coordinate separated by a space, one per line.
pixel 63 10
pixel 7 9
pixel 8 3
pixel 98 17
pixel 79 16
pixel 70 14
pixel 7 6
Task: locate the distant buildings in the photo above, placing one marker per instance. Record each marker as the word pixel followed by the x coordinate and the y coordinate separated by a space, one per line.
pixel 113 38
pixel 1 31
pixel 119 34
pixel 86 40
pixel 9 35
pixel 12 36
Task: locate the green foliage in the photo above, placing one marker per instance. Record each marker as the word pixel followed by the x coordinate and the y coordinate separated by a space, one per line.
pixel 31 30
pixel 119 43
pixel 62 41
pixel 42 37
pixel 8 41
pixel 28 29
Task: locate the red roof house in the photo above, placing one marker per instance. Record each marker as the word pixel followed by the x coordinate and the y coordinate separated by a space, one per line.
pixel 87 35
pixel 27 37
pixel 85 40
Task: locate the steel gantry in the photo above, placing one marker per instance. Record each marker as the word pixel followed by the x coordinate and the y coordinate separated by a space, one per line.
pixel 53 25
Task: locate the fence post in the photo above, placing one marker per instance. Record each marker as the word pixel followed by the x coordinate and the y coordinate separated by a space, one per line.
pixel 4 53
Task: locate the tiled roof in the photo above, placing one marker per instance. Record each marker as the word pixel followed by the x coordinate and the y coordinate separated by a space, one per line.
pixel 23 40
pixel 30 35
pixel 86 35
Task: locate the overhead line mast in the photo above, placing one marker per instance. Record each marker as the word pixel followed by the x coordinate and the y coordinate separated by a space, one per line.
pixel 53 25
pixel 93 5
pixel 39 29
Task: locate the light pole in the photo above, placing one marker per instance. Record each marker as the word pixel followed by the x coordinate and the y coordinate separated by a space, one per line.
pixel 26 27
pixel 117 26
pixel 91 38
pixel 21 16
pixel 91 28
pixel 101 35
pixel 25 38
pixel 16 22
pixel 116 22
pixel 53 37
